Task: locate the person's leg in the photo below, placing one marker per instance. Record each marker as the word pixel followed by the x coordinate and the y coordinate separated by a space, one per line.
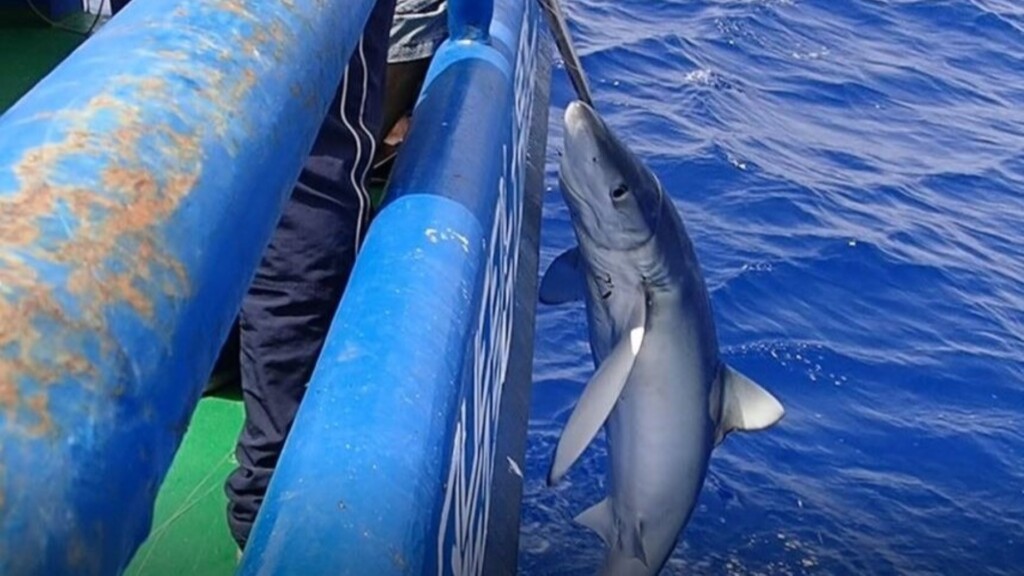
pixel 417 30
pixel 404 82
pixel 292 299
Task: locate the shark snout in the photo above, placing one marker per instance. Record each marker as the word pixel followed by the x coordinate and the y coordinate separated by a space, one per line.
pixel 578 111
pixel 583 129
pixel 581 122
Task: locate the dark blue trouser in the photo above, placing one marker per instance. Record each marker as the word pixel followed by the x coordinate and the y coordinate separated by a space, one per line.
pixel 298 284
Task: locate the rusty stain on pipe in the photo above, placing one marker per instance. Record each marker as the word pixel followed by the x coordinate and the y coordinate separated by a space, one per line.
pixel 139 182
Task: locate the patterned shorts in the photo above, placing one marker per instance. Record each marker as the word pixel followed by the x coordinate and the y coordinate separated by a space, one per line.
pixel 419 28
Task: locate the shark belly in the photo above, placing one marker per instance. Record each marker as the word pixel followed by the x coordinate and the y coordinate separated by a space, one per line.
pixel 660 437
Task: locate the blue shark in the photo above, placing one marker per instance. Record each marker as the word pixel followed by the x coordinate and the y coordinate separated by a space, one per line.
pixel 661 389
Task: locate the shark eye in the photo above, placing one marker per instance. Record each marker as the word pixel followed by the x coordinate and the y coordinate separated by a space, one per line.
pixel 620 192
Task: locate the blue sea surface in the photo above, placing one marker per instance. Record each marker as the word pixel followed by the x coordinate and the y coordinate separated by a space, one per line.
pixel 852 174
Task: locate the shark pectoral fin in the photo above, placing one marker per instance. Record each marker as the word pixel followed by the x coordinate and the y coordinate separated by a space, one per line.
pixel 745 405
pixel 564 280
pixel 599 397
pixel 599 518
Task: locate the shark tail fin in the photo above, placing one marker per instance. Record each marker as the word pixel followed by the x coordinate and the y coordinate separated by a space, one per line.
pixel 746 405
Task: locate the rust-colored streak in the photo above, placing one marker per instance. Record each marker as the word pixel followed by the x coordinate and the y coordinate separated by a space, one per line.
pixel 8 389
pixel 16 330
pixel 236 8
pixel 246 83
pixel 40 407
pixel 105 233
pixel 17 225
pixel 278 33
pixel 11 401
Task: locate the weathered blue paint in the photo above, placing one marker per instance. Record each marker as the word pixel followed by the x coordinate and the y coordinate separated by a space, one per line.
pixel 416 413
pixel 139 183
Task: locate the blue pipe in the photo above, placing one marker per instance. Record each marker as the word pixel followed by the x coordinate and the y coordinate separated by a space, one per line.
pixel 139 183
pixel 390 465
pixel 470 19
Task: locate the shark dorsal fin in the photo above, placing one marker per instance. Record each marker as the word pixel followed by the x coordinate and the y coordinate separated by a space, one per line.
pixel 563 280
pixel 600 395
pixel 745 405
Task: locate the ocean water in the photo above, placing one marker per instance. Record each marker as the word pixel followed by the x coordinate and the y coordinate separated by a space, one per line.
pixel 852 174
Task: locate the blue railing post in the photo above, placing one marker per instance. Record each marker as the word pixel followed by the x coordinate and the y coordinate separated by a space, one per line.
pixel 406 456
pixel 139 183
pixel 470 19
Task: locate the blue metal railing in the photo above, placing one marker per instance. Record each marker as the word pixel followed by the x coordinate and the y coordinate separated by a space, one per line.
pixel 470 19
pixel 405 455
pixel 139 183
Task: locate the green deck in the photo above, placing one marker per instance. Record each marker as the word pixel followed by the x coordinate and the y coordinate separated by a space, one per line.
pixel 190 532
pixel 28 51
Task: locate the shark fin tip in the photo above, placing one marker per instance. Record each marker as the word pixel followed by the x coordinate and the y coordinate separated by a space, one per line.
pixel 746 405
